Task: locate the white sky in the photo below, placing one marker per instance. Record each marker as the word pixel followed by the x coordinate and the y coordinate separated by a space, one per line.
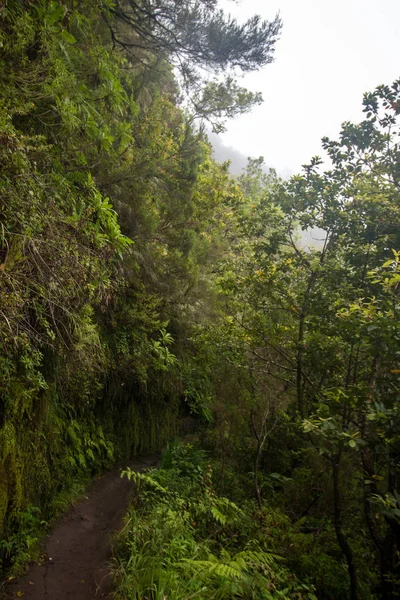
pixel 329 54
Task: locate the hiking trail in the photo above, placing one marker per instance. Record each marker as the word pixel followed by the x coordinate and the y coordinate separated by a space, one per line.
pixel 78 548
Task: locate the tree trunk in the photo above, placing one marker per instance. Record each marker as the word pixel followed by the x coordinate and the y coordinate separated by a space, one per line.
pixel 340 535
pixel 256 484
pixel 260 443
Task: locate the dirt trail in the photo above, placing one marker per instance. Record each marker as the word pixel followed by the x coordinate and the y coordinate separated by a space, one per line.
pixel 79 547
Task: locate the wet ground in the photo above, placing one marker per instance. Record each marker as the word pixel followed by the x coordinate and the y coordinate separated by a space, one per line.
pixel 78 549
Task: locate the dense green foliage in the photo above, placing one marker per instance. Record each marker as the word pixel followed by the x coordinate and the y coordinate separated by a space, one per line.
pixel 86 294
pixel 139 283
pixel 183 539
pixel 305 358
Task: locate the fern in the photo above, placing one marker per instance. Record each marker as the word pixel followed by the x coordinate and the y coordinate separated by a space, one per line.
pixel 145 479
pixel 218 516
pixel 225 511
pixel 209 568
pixel 230 568
pixel 174 545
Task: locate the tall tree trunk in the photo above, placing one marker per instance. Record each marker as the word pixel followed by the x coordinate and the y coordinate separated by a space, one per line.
pixel 299 361
pixel 256 483
pixel 340 535
pixel 392 547
pixel 261 437
pixel 260 444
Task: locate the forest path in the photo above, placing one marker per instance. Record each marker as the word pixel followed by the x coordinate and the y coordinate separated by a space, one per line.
pixel 79 546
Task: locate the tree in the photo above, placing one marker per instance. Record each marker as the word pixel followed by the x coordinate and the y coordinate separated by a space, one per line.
pixel 322 322
pixel 202 43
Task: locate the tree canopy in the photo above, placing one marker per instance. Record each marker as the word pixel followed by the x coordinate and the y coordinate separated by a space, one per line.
pixel 205 46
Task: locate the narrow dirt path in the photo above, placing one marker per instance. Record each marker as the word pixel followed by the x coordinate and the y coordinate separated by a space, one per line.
pixel 79 547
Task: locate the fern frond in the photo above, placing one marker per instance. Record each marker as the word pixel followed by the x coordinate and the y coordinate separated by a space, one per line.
pixel 209 568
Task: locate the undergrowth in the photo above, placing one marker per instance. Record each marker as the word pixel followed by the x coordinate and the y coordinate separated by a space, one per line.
pixel 183 540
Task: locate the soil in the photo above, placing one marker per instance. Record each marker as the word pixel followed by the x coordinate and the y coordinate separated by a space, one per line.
pixel 78 550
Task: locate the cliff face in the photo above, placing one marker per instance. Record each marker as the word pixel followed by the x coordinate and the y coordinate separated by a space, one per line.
pixel 84 349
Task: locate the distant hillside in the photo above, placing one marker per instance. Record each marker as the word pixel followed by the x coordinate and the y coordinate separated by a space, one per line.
pixel 222 153
pixel 313 238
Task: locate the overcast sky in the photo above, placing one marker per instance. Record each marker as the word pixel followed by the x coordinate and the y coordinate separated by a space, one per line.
pixel 330 52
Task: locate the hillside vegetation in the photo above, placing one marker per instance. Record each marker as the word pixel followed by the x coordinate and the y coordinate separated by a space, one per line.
pixel 140 283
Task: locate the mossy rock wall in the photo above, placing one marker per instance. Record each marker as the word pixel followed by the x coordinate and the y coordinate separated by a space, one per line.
pixel 43 455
